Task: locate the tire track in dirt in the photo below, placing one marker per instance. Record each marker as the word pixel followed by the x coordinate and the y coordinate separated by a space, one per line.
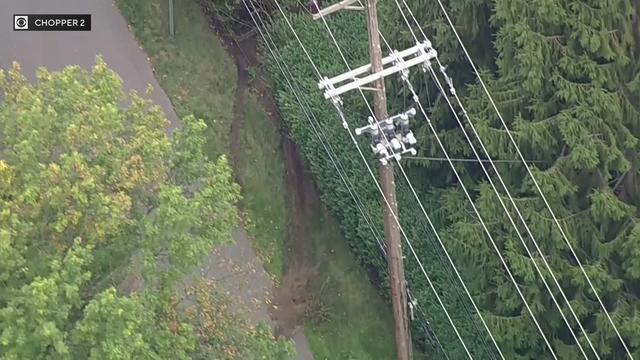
pixel 292 297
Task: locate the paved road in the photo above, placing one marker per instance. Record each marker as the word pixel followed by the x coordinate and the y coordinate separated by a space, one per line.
pixel 109 37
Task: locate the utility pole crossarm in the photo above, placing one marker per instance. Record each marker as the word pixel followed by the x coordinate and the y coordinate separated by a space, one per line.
pixel 418 55
pixel 342 5
pixel 412 51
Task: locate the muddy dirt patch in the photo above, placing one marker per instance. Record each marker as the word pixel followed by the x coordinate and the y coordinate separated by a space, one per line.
pixel 292 298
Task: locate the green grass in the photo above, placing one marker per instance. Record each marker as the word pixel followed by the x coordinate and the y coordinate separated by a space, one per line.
pixel 192 67
pixel 199 78
pixel 262 173
pixel 361 324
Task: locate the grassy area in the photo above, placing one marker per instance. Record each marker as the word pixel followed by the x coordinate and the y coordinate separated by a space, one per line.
pixel 360 325
pixel 192 67
pixel 199 78
pixel 262 173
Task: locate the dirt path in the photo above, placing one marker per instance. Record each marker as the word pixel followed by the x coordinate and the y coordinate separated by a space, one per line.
pixel 291 299
pixel 238 107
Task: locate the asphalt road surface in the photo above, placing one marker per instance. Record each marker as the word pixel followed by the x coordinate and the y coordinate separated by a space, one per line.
pixel 109 37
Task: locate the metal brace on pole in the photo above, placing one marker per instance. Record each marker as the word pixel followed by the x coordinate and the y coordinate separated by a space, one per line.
pixel 342 5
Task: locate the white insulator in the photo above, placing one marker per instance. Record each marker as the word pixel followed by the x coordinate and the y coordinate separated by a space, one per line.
pixel 396 144
pixel 410 139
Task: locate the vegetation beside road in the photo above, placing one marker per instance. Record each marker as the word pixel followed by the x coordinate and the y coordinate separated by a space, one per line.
pixel 360 322
pixel 348 318
pixel 101 221
pixel 200 78
pixel 192 66
pixel 264 194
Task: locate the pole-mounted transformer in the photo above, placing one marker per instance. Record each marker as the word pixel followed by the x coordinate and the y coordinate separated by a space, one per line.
pixel 391 137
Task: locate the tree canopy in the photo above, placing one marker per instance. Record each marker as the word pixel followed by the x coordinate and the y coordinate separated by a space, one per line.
pixel 92 190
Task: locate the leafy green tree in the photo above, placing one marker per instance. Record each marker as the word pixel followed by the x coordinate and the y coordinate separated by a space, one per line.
pixel 34 320
pixel 116 327
pixel 91 189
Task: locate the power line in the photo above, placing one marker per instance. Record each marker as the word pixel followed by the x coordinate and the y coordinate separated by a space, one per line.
pixel 386 201
pixel 408 181
pixel 529 253
pixel 468 160
pixel 332 155
pixel 535 182
pixel 345 124
pixel 405 76
pixel 407 239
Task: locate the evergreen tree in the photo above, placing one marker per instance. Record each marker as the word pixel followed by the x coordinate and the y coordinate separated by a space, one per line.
pixel 565 84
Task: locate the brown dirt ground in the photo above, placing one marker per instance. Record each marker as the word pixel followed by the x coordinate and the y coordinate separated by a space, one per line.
pixel 293 295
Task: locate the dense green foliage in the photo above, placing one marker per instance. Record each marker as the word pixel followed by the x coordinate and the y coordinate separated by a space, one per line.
pixel 92 192
pixel 565 76
pixel 565 82
pixel 361 331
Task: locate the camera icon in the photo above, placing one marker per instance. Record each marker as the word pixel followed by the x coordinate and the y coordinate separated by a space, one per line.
pixel 20 22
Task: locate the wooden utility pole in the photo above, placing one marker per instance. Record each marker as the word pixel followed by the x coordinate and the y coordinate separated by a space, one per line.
pixel 357 79
pixel 392 230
